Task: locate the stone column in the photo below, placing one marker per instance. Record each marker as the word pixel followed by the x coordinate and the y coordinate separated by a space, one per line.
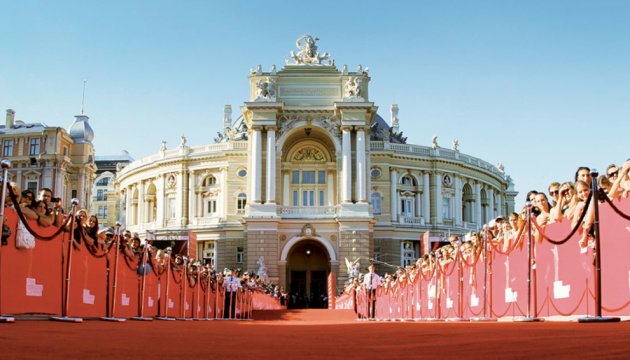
pixel 393 196
pixel 128 205
pixel 330 186
pixel 361 166
pixel 419 205
pixel 271 165
pixel 192 213
pixel 346 166
pixel 458 201
pixel 223 198
pixel 491 204
pixel 286 194
pixel 426 198
pixel 141 204
pixel 438 198
pixel 478 218
pixel 500 205
pixel 256 170
pixel 161 201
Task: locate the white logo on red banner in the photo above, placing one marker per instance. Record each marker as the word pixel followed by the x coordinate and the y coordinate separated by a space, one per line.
pixel 171 304
pixel 561 291
pixel 150 301
pixel 87 297
pixel 474 300
pixel 430 305
pixel 187 306
pixel 510 296
pixel 449 303
pixel 33 288
pixel 125 299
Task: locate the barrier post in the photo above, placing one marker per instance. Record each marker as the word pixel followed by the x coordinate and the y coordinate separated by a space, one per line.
pixel 436 293
pixel 111 315
pixel 167 260
pixel 183 285
pixel 64 310
pixel 530 268
pixel 197 287
pixel 140 316
pixel 460 288
pixel 208 291
pixel 485 280
pixel 6 165
pixel 598 261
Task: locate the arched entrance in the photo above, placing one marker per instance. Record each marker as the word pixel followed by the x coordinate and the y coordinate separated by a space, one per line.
pixel 308 267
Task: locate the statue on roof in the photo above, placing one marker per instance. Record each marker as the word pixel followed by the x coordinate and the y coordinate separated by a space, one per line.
pixel 352 88
pixel 308 54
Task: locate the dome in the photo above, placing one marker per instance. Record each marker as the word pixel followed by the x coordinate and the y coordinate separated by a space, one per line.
pixel 81 131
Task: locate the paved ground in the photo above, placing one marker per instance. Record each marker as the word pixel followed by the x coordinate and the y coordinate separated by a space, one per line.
pixel 309 334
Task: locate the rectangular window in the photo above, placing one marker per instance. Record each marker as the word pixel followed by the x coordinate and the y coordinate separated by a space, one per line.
pixel 32 185
pixel 377 253
pixel 311 198
pixel 295 177
pixel 34 149
pixel 295 199
pixel 171 208
pixel 304 198
pixel 446 208
pixel 100 195
pixel 409 207
pixel 102 212
pixel 308 177
pixel 74 194
pixel 322 177
pixel 240 205
pixel 240 255
pixel 403 209
pixel 376 203
pixel 7 148
pixel 321 198
pixel 212 206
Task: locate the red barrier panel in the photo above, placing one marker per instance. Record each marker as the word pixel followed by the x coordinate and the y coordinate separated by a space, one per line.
pixel 88 284
pixel 31 278
pixel 127 292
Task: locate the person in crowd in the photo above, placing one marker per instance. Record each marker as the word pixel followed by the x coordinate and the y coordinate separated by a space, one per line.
pixel 371 281
pixel 583 192
pixel 541 202
pixel 554 193
pixel 23 238
pixel 566 203
pixel 531 195
pixel 232 284
pixel 621 182
pixel 513 219
pixel 54 209
pixel 604 183
pixel 583 173
pixel 40 209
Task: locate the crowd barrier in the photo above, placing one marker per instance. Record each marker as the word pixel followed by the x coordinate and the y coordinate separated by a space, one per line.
pixel 67 282
pixel 563 278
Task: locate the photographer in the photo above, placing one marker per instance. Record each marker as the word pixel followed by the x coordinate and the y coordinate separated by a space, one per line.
pixel 54 210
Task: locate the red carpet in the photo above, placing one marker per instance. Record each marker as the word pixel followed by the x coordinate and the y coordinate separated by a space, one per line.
pixel 312 334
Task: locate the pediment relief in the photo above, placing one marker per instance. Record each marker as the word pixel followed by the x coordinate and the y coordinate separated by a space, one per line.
pixel 309 154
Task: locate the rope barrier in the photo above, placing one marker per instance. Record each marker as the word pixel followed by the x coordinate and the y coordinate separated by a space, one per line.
pixel 575 229
pixel 615 208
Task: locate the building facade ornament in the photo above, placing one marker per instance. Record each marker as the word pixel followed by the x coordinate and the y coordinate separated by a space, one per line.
pixel 308 54
pixel 352 89
pixel 309 154
pixel 266 90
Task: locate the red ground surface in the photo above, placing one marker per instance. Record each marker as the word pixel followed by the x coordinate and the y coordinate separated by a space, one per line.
pixel 309 334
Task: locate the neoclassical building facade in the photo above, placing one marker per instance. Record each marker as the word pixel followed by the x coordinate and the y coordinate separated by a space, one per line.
pixel 309 175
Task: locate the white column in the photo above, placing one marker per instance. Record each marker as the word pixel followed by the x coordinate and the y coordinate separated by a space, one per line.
pixel 128 205
pixel 499 205
pixel 458 201
pixel 286 196
pixel 330 186
pixel 161 201
pixel 254 176
pixel 438 198
pixel 223 198
pixel 271 165
pixel 346 165
pixel 192 212
pixel 141 205
pixel 179 197
pixel 478 218
pixel 361 164
pixel 419 205
pixel 426 198
pixel 393 196
pixel 491 204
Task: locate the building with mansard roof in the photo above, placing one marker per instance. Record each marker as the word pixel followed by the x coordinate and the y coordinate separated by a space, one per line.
pixel 309 175
pixel 51 157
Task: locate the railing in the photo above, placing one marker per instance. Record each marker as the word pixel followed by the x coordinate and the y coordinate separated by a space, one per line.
pixel 307 211
pixel 412 220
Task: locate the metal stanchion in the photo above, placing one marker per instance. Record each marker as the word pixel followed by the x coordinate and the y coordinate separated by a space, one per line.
pixel 141 316
pixel 485 316
pixel 598 261
pixel 197 287
pixel 460 288
pixel 167 260
pixel 6 165
pixel 208 291
pixel 111 315
pixel 183 285
pixel 530 269
pixel 436 298
pixel 64 311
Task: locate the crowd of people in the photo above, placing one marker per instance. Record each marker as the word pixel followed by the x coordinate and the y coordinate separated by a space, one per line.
pixel 563 201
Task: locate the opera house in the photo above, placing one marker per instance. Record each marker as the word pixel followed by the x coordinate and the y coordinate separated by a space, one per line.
pixel 306 175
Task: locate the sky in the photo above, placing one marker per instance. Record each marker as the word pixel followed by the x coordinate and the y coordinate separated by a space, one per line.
pixel 540 86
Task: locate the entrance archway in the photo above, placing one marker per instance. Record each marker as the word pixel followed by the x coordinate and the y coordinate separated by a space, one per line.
pixel 308 267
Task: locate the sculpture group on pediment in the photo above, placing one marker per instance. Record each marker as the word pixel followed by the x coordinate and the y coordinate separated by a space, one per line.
pixel 308 54
pixel 352 88
pixel 309 154
pixel 266 90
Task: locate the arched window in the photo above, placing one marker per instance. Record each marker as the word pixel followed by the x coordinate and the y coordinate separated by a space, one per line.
pixel 468 199
pixel 376 203
pixel 408 180
pixel 103 181
pixel 241 201
pixel 209 181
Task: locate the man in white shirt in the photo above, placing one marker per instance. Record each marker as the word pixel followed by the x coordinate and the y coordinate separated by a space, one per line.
pixel 232 283
pixel 371 281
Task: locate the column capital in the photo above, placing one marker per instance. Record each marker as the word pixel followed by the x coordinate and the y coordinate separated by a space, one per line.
pixel 360 128
pixel 345 128
pixel 271 128
pixel 256 128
